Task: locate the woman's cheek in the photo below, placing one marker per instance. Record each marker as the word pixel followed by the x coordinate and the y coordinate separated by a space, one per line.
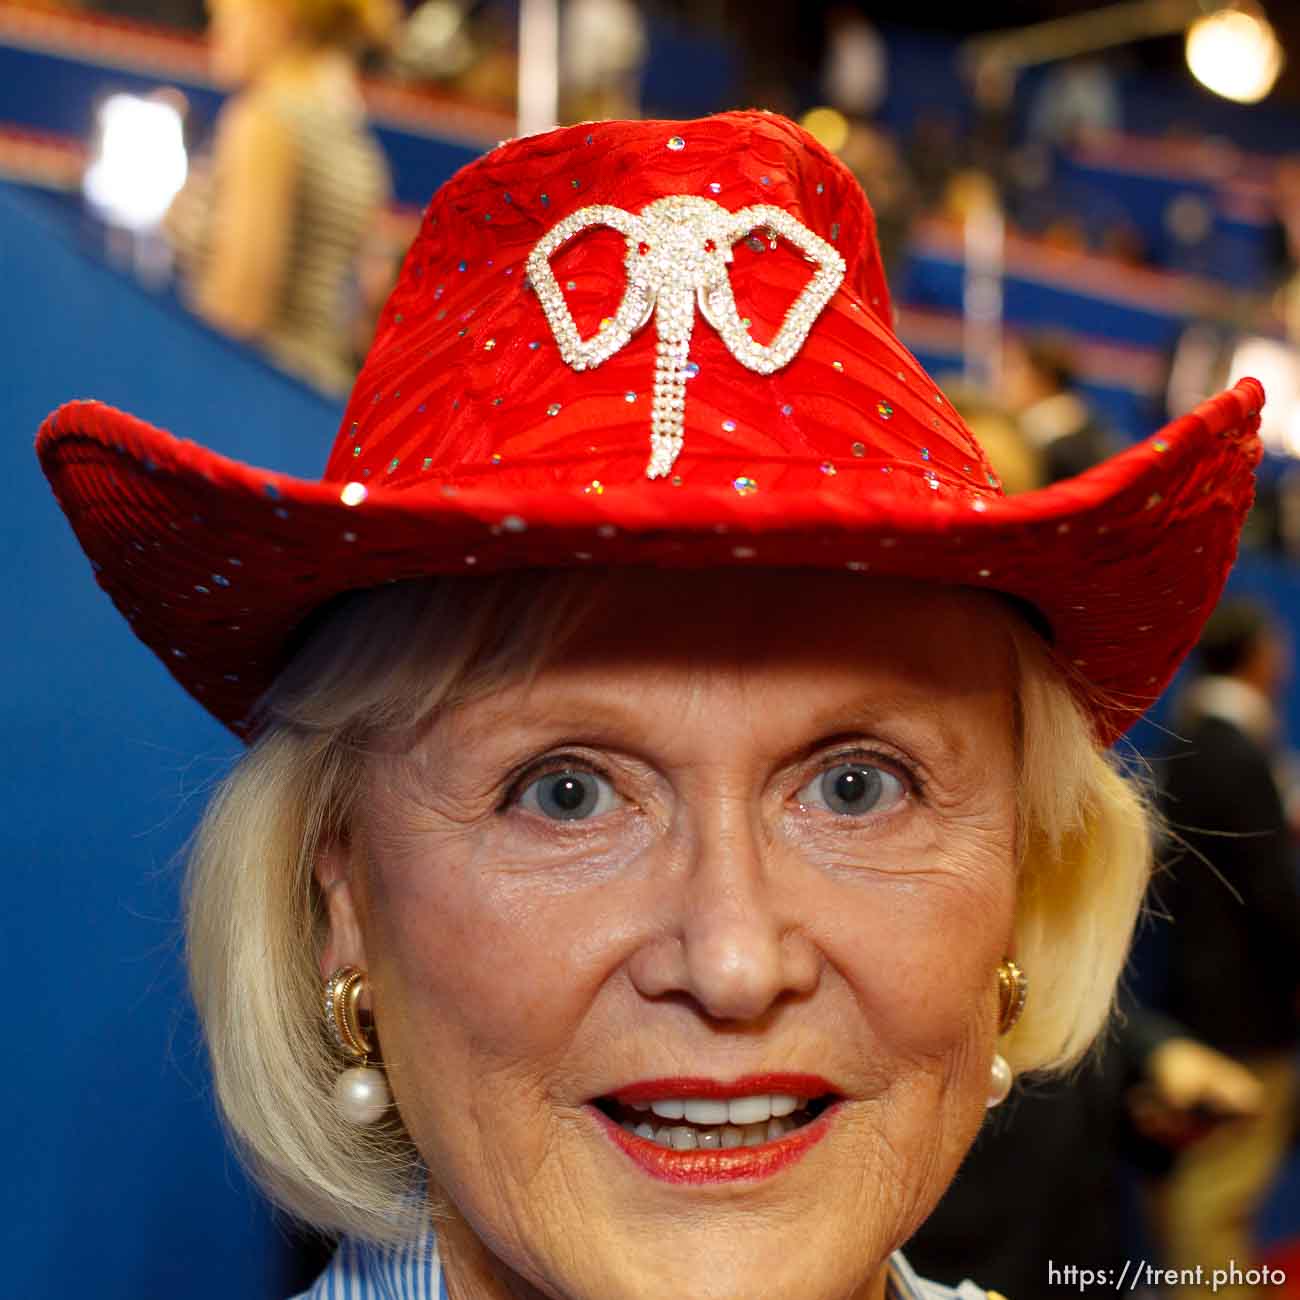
pixel 941 869
pixel 447 898
pixel 921 939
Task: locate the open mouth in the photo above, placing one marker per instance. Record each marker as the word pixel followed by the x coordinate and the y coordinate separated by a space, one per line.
pixel 686 1124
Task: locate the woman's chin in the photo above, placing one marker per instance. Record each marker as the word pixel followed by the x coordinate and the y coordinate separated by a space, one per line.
pixel 611 1226
pixel 679 1223
pixel 742 1260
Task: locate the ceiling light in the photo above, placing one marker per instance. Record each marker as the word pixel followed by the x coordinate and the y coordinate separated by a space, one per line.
pixel 1235 53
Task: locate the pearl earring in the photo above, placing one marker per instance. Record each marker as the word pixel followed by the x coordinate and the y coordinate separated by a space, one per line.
pixel 361 1092
pixel 999 1081
pixel 1013 990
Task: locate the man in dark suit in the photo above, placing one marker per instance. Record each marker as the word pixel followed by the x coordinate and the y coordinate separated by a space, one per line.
pixel 1234 944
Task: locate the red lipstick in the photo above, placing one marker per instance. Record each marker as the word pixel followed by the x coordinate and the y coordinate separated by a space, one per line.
pixel 714 1164
pixel 803 1086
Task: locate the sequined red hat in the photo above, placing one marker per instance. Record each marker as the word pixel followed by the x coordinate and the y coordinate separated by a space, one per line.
pixel 651 343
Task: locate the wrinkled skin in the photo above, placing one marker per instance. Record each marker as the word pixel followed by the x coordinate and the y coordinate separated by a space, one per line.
pixel 712 915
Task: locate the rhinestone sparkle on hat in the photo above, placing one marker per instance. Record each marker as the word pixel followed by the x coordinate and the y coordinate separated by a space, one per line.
pixel 678 249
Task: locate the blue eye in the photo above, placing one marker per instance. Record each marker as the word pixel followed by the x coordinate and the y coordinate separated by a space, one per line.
pixel 854 789
pixel 568 795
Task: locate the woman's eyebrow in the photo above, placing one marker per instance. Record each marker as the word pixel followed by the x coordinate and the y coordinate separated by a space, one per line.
pixel 588 712
pixel 911 717
pixel 923 727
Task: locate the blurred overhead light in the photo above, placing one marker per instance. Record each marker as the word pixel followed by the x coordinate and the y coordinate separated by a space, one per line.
pixel 1235 53
pixel 828 126
pixel 1277 366
pixel 140 163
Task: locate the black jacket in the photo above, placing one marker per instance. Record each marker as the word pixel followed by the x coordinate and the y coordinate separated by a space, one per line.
pixel 1230 889
pixel 1046 1182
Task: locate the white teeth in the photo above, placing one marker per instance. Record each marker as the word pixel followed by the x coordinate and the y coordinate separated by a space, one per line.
pixel 741 1110
pixel 706 1112
pixel 750 1110
pixel 744 1121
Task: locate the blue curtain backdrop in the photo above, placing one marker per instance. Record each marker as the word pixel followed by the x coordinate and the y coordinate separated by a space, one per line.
pixel 117 1182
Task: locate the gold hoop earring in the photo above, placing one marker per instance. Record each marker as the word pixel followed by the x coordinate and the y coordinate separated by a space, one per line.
pixel 1013 990
pixel 361 1092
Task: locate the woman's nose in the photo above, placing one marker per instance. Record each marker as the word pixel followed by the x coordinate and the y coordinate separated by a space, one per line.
pixel 732 941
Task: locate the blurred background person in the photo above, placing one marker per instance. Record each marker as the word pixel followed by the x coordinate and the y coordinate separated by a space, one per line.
pixel 855 64
pixel 872 155
pixel 1019 464
pixel 268 230
pixel 1077 99
pixel 602 47
pixel 1233 960
pixel 1052 1178
pixel 1287 196
pixel 1041 390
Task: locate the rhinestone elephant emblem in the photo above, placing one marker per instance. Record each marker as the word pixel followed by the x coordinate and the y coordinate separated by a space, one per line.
pixel 678 250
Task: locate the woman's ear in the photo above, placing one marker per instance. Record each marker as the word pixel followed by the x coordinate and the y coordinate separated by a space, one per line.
pixel 335 874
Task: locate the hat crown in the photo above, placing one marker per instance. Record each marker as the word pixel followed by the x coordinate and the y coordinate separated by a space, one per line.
pixel 469 380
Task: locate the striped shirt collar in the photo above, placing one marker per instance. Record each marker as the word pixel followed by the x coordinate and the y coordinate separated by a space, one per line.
pixel 360 1271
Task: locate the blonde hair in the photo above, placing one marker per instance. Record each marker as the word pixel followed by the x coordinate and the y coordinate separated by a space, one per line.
pixel 1086 838
pixel 387 660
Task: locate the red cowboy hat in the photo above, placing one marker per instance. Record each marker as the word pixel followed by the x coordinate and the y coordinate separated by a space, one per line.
pixel 653 343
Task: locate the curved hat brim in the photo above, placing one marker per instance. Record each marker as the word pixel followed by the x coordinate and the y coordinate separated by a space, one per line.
pixel 216 564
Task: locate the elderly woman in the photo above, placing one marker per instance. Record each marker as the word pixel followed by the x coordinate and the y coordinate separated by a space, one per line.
pixel 672 756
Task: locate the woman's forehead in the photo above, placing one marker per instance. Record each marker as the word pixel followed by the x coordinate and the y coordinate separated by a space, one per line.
pixel 791 616
pixel 788 647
